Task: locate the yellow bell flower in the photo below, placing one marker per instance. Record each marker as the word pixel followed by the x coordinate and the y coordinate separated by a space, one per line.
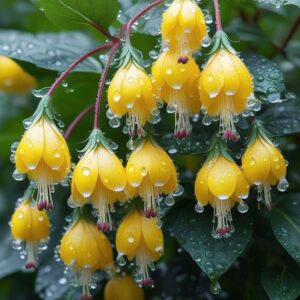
pixel 140 238
pixel 183 26
pixel 221 183
pixel 84 249
pixel 151 172
pixel 225 86
pixel 30 230
pixel 130 92
pixel 13 79
pixel 175 82
pixel 123 288
pixel 94 179
pixel 264 165
pixel 44 156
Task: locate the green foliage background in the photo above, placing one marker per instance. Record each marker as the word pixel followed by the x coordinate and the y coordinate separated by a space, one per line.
pixel 262 258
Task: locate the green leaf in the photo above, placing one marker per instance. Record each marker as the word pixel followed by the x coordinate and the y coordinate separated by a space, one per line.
pixel 268 78
pixel 73 14
pixel 281 282
pixel 285 222
pixel 279 3
pixel 149 23
pixel 52 51
pixel 193 232
pixel 282 118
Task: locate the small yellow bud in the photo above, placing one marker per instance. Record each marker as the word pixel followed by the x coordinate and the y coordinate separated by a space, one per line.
pixel 13 79
pixel 123 288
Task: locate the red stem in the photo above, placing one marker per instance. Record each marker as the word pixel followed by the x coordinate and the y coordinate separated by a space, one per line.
pixel 138 15
pixel 75 122
pixel 61 78
pixel 102 83
pixel 290 35
pixel 218 15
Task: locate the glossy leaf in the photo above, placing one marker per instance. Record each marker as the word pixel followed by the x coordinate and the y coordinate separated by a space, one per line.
pixel 282 118
pixel 281 282
pixel 53 51
pixel 193 232
pixel 285 221
pixel 72 14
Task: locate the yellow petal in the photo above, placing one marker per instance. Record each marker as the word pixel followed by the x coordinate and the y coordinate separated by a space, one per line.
pixel 129 234
pixel 203 194
pixel 222 178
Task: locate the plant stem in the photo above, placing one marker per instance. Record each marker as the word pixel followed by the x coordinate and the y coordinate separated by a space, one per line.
pixel 75 122
pixel 138 15
pixel 290 35
pixel 103 31
pixel 61 78
pixel 102 83
pixel 218 15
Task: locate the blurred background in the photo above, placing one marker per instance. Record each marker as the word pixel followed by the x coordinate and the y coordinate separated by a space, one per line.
pixel 270 30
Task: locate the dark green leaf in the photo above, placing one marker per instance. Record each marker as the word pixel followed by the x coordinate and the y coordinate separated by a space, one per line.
pixel 149 23
pixel 279 3
pixel 285 221
pixel 53 51
pixel 282 118
pixel 268 78
pixel 281 282
pixel 73 14
pixel 193 232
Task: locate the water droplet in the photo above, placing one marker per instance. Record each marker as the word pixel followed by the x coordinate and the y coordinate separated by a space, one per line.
pixel 252 162
pixel 117 97
pixel 114 122
pixel 144 171
pixel 242 207
pixel 215 288
pixel 130 239
pixel 18 176
pixel 169 200
pixel 206 41
pixel 14 146
pixel 199 208
pixel 282 185
pixel 85 171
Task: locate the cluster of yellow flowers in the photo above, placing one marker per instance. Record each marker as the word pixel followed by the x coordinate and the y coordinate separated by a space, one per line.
pixel 222 90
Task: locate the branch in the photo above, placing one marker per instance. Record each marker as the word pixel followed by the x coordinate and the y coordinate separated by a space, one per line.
pixel 290 35
pixel 61 78
pixel 218 15
pixel 75 122
pixel 102 83
pixel 138 15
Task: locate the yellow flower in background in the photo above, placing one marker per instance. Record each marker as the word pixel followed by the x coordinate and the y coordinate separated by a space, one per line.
pixel 84 249
pixel 151 172
pixel 130 92
pixel 44 156
pixel 13 79
pixel 183 26
pixel 221 183
pixel 30 230
pixel 140 238
pixel 175 81
pixel 99 177
pixel 225 87
pixel 123 288
pixel 264 165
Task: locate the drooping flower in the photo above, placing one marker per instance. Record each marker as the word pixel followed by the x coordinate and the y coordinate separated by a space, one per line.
pixel 30 229
pixel 130 92
pixel 43 154
pixel 221 183
pixel 99 177
pixel 183 26
pixel 175 82
pixel 123 288
pixel 151 172
pixel 13 79
pixel 264 165
pixel 84 250
pixel 140 238
pixel 225 86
